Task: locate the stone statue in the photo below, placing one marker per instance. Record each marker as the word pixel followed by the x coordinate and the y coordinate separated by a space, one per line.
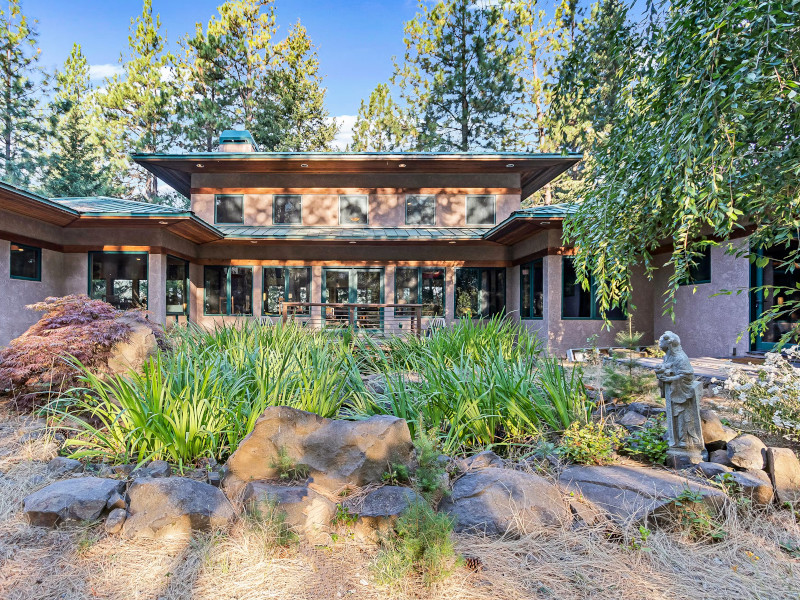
pixel 682 393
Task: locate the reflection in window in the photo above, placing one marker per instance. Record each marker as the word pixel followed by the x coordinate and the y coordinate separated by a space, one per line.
pixel 420 210
pixel 480 292
pixel 293 284
pixel 228 209
pixel 424 285
pixel 700 271
pixel 177 286
pixel 26 262
pixel 287 209
pixel 579 303
pixel 228 290
pixel 531 283
pixel 481 210
pixel 353 210
pixel 119 279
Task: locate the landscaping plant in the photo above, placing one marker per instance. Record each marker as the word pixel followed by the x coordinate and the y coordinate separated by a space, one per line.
pixel 648 443
pixel 630 382
pixel 589 443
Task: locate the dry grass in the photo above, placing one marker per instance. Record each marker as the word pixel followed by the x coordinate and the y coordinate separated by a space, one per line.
pixel 82 562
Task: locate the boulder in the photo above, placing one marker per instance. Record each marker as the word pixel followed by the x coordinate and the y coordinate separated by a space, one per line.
pixel 115 501
pixel 715 434
pixel 174 507
pixel 632 493
pixel 484 459
pixel 719 457
pixel 307 512
pixel 337 453
pixel 499 501
pixel 380 510
pixel 78 499
pixel 156 468
pixel 754 484
pixel 60 466
pixel 711 469
pixel 135 349
pixel 784 472
pixel 746 451
pixel 646 409
pixel 632 420
pixel 115 520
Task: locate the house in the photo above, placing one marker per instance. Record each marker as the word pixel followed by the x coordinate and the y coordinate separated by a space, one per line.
pixel 446 231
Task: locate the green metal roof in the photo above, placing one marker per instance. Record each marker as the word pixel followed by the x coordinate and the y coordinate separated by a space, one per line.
pixel 547 211
pixel 300 155
pixel 103 205
pixel 351 233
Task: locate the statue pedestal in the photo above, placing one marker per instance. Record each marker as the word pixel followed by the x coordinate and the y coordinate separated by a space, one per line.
pixel 682 458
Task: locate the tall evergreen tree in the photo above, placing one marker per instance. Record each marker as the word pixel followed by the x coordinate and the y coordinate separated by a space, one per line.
pixel 21 128
pixel 457 75
pixel 381 124
pixel 141 104
pixel 76 166
pixel 300 122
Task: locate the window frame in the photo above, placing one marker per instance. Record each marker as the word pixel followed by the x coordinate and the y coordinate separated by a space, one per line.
pixel 494 210
pixel 285 270
pixel 216 219
pixel 419 282
pixel 38 252
pixel 91 254
pixel 433 198
pixel 366 212
pixel 690 280
pixel 479 315
pixel 228 291
pixel 275 221
pixel 185 312
pixel 594 312
pixel 530 265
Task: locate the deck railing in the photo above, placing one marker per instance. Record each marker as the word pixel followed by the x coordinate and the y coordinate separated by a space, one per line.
pixel 390 319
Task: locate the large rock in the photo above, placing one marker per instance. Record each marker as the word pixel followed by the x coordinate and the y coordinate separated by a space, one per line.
pixel 634 494
pixel 482 460
pixel 754 484
pixel 498 501
pixel 711 469
pixel 720 457
pixel 380 510
pixel 747 452
pixel 715 434
pixel 306 512
pixel 137 347
pixel 79 499
pixel 60 466
pixel 632 420
pixel 337 453
pixel 156 468
pixel 784 472
pixel 174 507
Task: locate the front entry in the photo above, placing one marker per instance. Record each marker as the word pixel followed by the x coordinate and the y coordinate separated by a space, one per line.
pixel 775 273
pixel 353 286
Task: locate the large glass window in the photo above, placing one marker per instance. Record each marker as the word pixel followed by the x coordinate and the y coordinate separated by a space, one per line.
pixel 177 286
pixel 353 286
pixel 119 278
pixel 481 210
pixel 579 303
pixel 420 285
pixel 228 209
pixel 420 210
pixel 700 271
pixel 531 287
pixel 287 209
pixel 353 210
pixel 781 277
pixel 228 290
pixel 480 292
pixel 26 262
pixel 293 284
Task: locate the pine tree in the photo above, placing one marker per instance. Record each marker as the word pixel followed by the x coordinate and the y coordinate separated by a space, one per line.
pixel 76 165
pixel 381 124
pixel 457 76
pixel 141 105
pixel 21 130
pixel 300 122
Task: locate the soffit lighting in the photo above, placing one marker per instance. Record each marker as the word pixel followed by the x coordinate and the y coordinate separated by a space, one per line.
pixel 253 242
pixel 544 223
pixel 402 165
pixel 352 242
pixel 451 242
pixel 163 222
pixel 304 166
pixel 199 165
pixel 509 165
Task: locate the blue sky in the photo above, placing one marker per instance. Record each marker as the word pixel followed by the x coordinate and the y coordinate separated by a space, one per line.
pixel 356 39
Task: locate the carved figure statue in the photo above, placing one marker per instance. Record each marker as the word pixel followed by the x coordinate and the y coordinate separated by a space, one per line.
pixel 682 394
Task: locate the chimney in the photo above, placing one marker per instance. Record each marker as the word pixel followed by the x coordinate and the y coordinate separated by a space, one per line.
pixel 233 140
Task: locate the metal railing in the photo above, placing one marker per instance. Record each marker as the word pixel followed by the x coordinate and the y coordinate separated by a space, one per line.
pixel 377 319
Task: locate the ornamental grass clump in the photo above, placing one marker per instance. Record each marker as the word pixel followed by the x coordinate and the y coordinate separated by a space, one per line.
pixel 771 398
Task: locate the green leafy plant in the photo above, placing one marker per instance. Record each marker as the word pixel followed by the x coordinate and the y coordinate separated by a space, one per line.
pixel 630 382
pixel 430 476
pixel 421 546
pixel 695 518
pixel 648 443
pixel 344 517
pixel 639 541
pixel 287 468
pixel 397 474
pixel 589 443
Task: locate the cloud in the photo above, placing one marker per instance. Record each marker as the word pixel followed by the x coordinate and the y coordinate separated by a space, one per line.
pixel 345 135
pixel 102 71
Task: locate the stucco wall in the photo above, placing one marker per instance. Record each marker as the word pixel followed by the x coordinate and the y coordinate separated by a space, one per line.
pixel 709 325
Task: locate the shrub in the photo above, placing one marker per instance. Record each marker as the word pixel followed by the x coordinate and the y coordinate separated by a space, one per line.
pixel 648 443
pixel 421 546
pixel 630 382
pixel 695 519
pixel 429 477
pixel 589 443
pixel 72 326
pixel 771 399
